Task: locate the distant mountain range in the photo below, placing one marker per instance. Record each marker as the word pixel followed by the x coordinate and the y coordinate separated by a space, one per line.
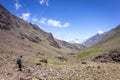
pixel 94 39
pixel 73 46
pixel 111 40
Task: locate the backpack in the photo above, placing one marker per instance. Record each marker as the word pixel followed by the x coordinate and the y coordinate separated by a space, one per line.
pixel 18 61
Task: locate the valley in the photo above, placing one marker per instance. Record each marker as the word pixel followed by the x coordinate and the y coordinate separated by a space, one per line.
pixel 99 60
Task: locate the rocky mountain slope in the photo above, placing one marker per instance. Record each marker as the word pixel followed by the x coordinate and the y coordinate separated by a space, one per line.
pixel 74 46
pixel 94 39
pixel 112 39
pixel 19 36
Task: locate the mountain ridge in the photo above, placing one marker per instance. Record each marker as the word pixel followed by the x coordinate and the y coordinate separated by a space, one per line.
pixel 94 39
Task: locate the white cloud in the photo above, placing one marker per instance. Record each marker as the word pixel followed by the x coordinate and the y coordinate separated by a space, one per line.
pixel 25 16
pixel 54 23
pixel 42 2
pixel 34 19
pixel 100 31
pixel 17 5
pixel 43 21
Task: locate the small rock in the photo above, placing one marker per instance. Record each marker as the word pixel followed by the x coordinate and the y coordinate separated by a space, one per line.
pixel 84 62
pixel 22 79
pixel 38 64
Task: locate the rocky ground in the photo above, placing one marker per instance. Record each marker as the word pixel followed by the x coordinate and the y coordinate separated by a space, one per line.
pixel 70 71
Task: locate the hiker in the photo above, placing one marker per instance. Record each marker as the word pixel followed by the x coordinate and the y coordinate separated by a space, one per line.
pixel 19 63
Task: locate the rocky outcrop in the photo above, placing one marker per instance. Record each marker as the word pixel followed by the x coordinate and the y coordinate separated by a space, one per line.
pixel 112 56
pixel 115 55
pixel 52 41
pixel 63 59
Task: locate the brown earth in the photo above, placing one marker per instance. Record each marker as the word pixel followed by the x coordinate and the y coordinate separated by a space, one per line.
pixel 68 71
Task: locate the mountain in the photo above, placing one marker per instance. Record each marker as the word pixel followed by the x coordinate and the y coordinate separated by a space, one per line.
pixel 111 39
pixel 110 47
pixel 94 39
pixel 18 37
pixel 73 46
pixel 106 50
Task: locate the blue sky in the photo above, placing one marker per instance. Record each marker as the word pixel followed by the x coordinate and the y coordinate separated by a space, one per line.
pixel 69 20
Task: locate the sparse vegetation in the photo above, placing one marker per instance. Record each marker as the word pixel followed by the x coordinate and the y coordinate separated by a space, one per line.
pixel 88 53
